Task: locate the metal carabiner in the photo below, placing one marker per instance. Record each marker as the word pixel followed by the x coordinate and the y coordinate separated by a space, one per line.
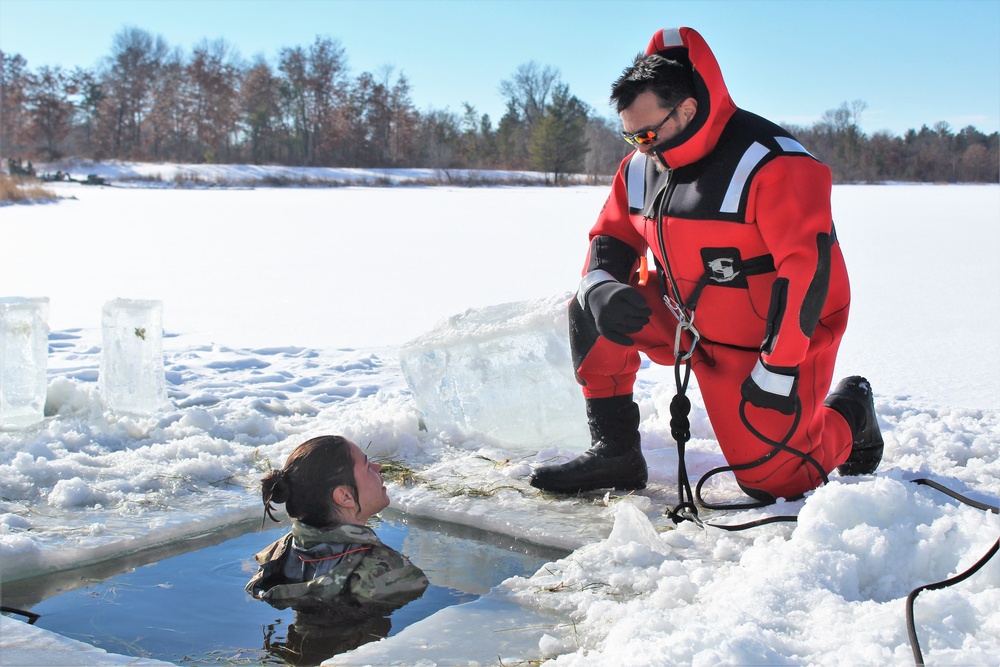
pixel 675 309
pixel 682 326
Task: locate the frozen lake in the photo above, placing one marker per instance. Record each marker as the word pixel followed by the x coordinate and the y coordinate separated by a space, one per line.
pixel 371 267
pixel 285 310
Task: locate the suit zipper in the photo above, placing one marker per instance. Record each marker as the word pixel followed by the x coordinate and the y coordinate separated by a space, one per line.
pixel 672 298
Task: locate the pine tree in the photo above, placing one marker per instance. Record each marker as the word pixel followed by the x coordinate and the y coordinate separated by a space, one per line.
pixel 559 141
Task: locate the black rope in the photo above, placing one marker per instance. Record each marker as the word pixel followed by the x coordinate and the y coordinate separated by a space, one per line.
pixel 957 496
pixel 782 445
pixel 754 524
pixel 776 446
pixel 918 658
pixel 680 429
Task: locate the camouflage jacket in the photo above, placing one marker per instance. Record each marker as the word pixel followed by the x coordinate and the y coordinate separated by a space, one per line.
pixel 345 563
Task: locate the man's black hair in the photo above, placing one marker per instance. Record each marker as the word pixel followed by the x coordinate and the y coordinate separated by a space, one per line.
pixel 670 80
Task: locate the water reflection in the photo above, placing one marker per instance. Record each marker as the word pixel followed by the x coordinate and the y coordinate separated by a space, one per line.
pixel 312 638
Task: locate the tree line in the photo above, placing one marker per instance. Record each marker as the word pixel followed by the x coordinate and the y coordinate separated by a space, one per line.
pixel 146 101
pixel 927 155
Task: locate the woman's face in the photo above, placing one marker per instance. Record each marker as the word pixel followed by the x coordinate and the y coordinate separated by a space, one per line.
pixel 372 495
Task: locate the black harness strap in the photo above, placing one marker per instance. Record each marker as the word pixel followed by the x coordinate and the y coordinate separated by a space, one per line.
pixel 754 266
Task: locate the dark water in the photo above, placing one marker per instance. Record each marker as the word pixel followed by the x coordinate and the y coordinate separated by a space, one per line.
pixel 191 608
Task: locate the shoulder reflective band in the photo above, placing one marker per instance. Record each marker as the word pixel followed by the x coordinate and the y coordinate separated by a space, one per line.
pixel 749 161
pixel 790 145
pixel 636 181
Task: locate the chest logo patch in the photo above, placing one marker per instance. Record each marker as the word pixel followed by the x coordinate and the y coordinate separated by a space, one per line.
pixel 724 267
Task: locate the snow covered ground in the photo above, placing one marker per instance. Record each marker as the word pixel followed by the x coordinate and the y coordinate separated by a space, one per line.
pixel 285 311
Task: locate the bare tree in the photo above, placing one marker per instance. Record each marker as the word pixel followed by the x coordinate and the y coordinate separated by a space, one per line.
pixel 843 130
pixel 170 122
pixel 328 85
pixel 49 109
pixel 87 98
pixel 313 88
pixel 439 133
pixel 368 122
pixel 295 102
pixel 14 79
pixel 530 89
pixel 607 149
pixel 261 112
pixel 132 69
pixel 213 75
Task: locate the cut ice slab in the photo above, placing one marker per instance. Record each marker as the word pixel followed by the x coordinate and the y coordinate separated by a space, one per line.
pixel 503 371
pixel 24 348
pixel 132 379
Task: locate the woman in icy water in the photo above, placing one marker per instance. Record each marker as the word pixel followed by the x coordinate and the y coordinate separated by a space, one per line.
pixel 331 559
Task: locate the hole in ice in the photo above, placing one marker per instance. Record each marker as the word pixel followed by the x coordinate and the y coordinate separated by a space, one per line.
pixel 189 607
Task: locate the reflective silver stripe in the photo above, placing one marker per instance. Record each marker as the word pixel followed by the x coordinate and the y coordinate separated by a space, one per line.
pixel 672 38
pixel 750 159
pixel 772 383
pixel 636 183
pixel 789 145
pixel 590 281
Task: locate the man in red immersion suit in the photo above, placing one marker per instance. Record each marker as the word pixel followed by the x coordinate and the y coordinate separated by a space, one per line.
pixel 735 214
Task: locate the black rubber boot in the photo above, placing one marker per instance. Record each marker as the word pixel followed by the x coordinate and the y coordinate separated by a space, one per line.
pixel 614 461
pixel 854 400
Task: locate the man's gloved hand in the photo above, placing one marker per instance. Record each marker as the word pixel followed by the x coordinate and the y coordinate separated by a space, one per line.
pixel 773 387
pixel 618 309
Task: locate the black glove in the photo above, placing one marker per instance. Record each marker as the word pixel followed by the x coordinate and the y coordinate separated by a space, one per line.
pixel 617 309
pixel 773 387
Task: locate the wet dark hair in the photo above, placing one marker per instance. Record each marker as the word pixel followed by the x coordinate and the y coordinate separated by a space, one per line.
pixel 670 80
pixel 306 483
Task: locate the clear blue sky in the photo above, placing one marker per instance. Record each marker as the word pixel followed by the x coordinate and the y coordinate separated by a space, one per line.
pixel 913 62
